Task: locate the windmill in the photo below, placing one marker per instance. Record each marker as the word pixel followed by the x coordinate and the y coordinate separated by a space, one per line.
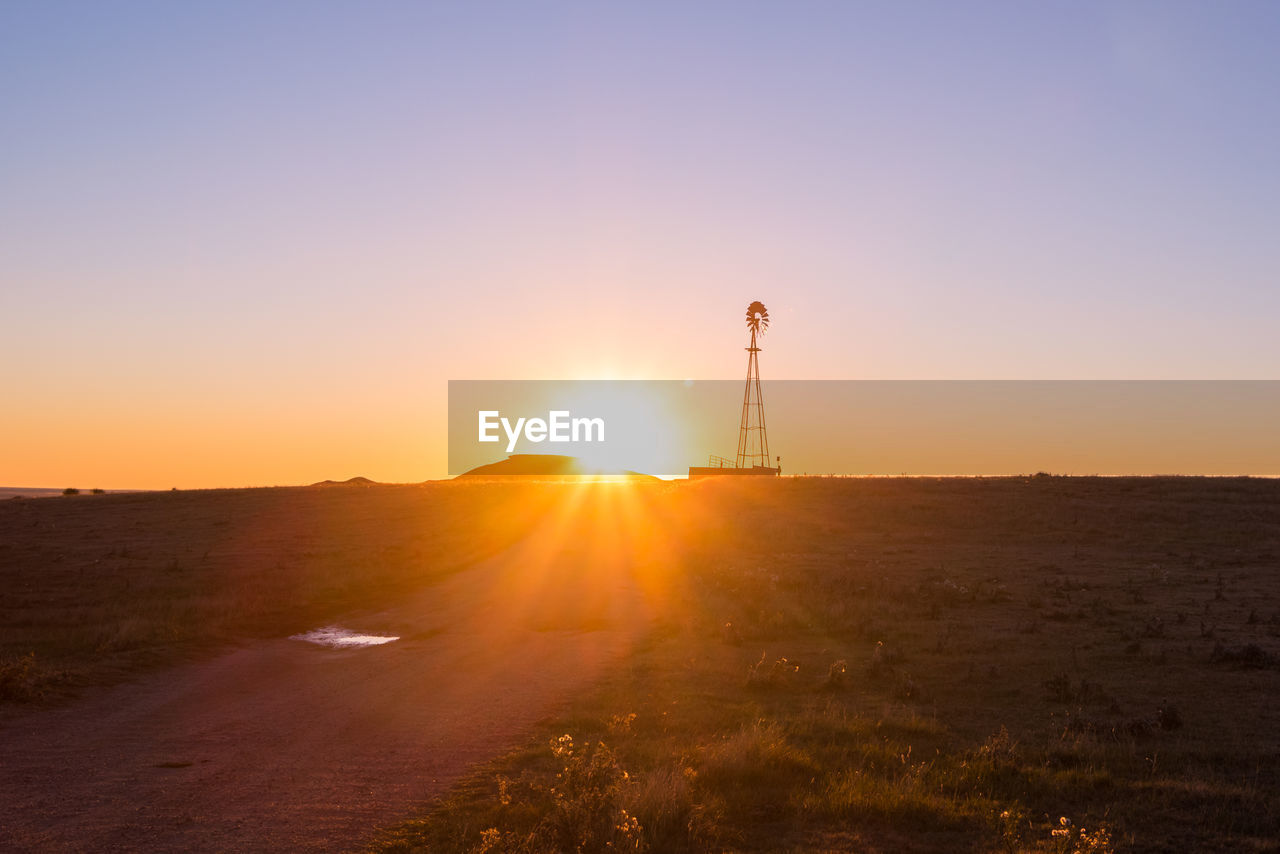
pixel 753 438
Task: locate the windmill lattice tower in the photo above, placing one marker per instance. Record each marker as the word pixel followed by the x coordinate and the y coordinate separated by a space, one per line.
pixel 753 437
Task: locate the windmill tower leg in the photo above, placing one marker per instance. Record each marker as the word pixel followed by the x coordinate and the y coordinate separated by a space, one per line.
pixel 750 397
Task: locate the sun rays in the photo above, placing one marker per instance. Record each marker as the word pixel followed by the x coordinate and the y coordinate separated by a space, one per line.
pixel 595 555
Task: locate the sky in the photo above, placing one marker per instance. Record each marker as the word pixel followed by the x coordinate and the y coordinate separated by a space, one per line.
pixel 249 243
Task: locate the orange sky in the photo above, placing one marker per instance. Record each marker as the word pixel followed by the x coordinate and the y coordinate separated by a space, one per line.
pixel 237 250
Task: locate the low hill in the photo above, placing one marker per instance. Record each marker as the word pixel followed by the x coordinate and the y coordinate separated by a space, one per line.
pixel 553 466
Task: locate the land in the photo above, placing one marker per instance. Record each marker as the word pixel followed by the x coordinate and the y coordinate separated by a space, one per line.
pixel 27 492
pixel 784 664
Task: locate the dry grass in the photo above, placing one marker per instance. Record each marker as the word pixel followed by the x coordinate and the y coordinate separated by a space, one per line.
pixel 94 589
pixel 990 686
pixel 879 665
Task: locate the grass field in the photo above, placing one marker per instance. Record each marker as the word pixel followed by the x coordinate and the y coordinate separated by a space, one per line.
pixel 879 665
pixel 925 665
pixel 94 588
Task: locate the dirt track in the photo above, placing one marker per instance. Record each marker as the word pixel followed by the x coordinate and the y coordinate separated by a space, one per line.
pixel 286 746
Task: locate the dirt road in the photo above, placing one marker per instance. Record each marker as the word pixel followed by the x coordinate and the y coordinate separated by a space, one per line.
pixel 287 746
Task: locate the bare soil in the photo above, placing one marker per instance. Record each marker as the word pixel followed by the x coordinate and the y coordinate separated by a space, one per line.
pixel 283 745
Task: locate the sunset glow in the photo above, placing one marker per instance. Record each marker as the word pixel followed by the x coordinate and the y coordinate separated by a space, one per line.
pixel 233 259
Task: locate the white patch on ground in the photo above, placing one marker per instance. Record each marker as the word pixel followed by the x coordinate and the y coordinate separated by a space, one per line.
pixel 336 636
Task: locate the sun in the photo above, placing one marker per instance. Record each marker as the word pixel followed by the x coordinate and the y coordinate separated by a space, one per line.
pixel 640 434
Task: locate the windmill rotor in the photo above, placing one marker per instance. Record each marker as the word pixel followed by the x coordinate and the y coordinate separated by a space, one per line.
pixel 757 317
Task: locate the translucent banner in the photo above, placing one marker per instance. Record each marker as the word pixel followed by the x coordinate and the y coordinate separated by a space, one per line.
pixel 680 427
